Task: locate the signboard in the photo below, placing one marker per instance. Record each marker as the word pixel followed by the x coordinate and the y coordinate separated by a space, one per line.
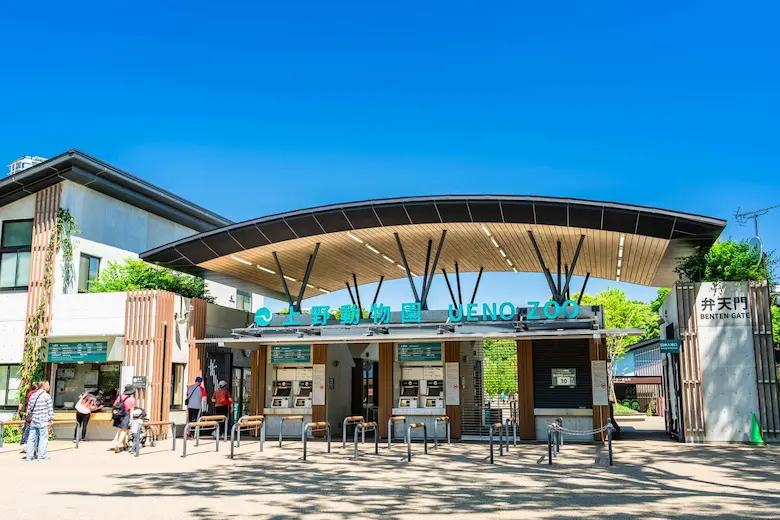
pixel 77 351
pixel 723 304
pixel 564 377
pixel 670 346
pixel 419 352
pixel 318 392
pixel 139 381
pixel 452 389
pixel 598 372
pixel 291 354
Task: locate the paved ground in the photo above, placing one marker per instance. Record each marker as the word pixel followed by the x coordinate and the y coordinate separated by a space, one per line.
pixel 651 479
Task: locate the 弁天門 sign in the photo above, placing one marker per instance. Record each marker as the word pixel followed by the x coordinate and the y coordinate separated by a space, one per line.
pixel 670 346
pixel 291 354
pixel 77 351
pixel 419 352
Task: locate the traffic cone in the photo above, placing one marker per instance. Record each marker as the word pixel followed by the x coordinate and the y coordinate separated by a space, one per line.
pixel 755 433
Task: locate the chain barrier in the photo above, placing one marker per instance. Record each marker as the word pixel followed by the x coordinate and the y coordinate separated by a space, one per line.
pixel 555 433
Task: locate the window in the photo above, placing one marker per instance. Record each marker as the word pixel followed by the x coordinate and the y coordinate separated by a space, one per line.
pixel 88 272
pixel 15 248
pixel 177 385
pixel 71 379
pixel 10 379
pixel 243 301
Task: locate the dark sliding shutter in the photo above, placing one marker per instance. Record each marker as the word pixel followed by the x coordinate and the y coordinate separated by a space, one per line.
pixel 552 354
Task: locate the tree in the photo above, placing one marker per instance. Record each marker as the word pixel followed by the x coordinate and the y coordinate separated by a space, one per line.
pixel 622 313
pixel 776 324
pixel 727 261
pixel 134 275
pixel 498 377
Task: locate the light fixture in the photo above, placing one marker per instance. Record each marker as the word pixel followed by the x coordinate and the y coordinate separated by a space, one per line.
pixel 620 262
pixel 485 229
pixel 509 262
pixel 372 248
pixel 622 239
pixel 411 273
pixel 402 268
pixel 492 239
pixel 617 278
pixel 237 259
pixel 290 278
pixel 266 269
pixel 388 259
pixel 514 269
pixel 323 290
pixel 502 253
pixel 310 286
pixel 618 272
pixel 353 237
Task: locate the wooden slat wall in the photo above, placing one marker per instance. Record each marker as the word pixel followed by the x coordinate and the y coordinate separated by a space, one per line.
pixel 598 351
pixel 452 355
pixel 763 351
pixel 319 356
pixel 47 205
pixel 139 313
pixel 164 324
pixel 258 369
pixel 385 386
pixel 197 357
pixel 526 422
pixel 690 365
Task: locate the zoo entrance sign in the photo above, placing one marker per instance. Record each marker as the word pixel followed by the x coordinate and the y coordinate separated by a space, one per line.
pixel 412 313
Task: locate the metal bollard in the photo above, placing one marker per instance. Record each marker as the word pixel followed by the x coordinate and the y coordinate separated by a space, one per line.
pixel 559 422
pixel 362 428
pixel 609 441
pixel 506 433
pixel 445 420
pixel 289 418
pixel 409 439
pixel 390 424
pixel 549 445
pixel 352 419
pixel 491 445
pixel 78 434
pixel 303 435
pixel 186 431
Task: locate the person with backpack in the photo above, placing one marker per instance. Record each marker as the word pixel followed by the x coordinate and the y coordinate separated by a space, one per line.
pixel 196 400
pixel 38 419
pixel 122 407
pixel 86 405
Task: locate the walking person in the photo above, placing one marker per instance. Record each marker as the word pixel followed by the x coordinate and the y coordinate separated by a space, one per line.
pixel 222 400
pixel 123 406
pixel 39 418
pixel 85 406
pixel 196 400
pixel 26 427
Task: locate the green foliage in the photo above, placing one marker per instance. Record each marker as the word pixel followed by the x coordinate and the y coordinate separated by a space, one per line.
pixel 135 275
pixel 500 367
pixel 12 435
pixel 663 292
pixel 66 226
pixel 619 409
pixel 652 408
pixel 727 261
pixel 776 324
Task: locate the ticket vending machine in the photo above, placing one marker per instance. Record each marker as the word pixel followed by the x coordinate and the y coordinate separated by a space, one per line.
pixel 434 393
pixel 282 391
pixel 303 396
pixel 410 392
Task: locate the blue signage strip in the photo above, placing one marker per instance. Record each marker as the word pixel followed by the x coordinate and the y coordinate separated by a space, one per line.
pixel 670 346
pixel 291 354
pixel 419 352
pixel 77 351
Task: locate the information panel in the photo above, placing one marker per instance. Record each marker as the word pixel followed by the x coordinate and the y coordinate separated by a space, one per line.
pixel 291 354
pixel 670 346
pixel 419 352
pixel 564 377
pixel 78 351
pixel 598 370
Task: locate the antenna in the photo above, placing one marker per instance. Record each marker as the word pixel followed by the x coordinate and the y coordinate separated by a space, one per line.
pixel 743 217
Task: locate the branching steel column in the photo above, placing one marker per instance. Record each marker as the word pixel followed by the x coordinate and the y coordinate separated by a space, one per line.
pixel 476 285
pixel 378 287
pixel 406 267
pixel 449 287
pixel 357 292
pixel 457 280
pixel 309 267
pixel 573 264
pixel 281 277
pixel 425 272
pixel 558 247
pixel 546 271
pixel 584 284
pixel 351 297
pixel 427 286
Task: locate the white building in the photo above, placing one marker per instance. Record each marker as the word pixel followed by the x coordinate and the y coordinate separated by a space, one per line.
pixel 118 216
pixel 24 162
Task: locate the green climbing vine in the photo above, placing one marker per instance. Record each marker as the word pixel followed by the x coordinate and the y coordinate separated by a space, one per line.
pixel 33 356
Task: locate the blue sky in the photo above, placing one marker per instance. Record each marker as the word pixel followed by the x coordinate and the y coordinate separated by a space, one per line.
pixel 251 108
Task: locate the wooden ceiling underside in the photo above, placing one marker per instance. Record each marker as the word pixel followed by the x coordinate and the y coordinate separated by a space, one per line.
pixel 340 256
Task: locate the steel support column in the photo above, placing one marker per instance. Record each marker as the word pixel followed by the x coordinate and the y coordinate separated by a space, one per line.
pixel 357 292
pixel 554 290
pixel 406 267
pixel 476 285
pixel 378 287
pixel 449 287
pixel 427 286
pixel 584 284
pixel 283 280
pixel 309 267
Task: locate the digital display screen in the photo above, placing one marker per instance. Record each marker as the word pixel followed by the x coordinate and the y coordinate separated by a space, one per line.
pixel 409 391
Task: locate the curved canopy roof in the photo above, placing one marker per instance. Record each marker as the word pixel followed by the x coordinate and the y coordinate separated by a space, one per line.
pixel 622 242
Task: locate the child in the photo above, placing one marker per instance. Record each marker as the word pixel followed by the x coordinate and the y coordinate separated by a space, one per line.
pixel 137 428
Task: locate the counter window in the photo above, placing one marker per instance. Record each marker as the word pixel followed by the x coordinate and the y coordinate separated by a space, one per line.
pixel 71 379
pixel 10 379
pixel 177 385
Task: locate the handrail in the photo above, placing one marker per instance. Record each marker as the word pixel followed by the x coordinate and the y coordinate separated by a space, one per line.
pixel 149 426
pixel 409 439
pixel 247 421
pixel 315 427
pixel 221 418
pixel 3 424
pixel 352 419
pixel 390 428
pixel 364 427
pixel 289 418
pixel 198 424
pixel 497 426
pixel 444 419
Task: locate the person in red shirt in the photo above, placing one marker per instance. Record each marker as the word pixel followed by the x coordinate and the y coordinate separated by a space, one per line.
pixel 222 400
pixel 123 407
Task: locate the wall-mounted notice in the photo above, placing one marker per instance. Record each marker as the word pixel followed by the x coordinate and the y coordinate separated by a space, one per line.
pixel 435 373
pixel 452 378
pixel 598 371
pixel 291 354
pixel 419 352
pixel 318 394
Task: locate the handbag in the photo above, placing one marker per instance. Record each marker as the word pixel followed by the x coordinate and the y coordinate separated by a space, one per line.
pixel 29 416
